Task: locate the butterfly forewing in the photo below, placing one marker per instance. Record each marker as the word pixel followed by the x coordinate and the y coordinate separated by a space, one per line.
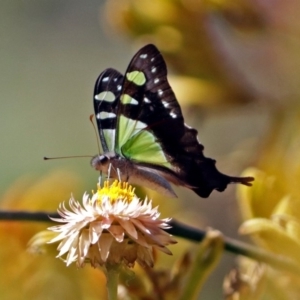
pixel 106 100
pixel 152 107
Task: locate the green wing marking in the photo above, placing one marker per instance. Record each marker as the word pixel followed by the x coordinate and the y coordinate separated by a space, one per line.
pixel 136 77
pixel 138 144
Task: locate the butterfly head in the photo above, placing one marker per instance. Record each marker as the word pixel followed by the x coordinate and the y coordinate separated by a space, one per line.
pixel 101 162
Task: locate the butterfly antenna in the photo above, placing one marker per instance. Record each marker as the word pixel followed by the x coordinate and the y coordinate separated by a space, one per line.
pixel 95 130
pixel 64 157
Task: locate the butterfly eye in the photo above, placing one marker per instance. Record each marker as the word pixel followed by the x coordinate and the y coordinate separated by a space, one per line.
pixel 103 159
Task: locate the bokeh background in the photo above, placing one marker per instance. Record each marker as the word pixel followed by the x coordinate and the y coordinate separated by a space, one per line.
pixel 233 67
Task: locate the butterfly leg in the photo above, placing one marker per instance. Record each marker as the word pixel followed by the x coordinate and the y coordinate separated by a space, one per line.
pixel 109 171
pixel 100 179
pixel 119 174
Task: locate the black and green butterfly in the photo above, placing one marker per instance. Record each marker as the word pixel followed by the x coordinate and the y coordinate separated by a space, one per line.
pixel 143 135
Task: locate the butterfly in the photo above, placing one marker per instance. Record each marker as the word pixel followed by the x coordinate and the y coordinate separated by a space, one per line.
pixel 142 132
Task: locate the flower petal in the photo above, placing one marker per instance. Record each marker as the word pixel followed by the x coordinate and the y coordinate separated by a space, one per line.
pixel 270 235
pixel 95 231
pixel 117 232
pixel 104 244
pixel 129 228
pixel 84 243
pixel 67 243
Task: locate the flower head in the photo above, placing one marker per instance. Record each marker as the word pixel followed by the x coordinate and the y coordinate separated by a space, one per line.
pixel 113 226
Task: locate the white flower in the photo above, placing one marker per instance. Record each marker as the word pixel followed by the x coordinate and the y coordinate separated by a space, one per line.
pixel 113 227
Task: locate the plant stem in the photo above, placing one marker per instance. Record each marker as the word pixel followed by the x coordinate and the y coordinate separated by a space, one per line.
pixel 112 279
pixel 237 247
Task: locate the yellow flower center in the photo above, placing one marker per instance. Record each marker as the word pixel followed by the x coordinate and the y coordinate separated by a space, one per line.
pixel 116 191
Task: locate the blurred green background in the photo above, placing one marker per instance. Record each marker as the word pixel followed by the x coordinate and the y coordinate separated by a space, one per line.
pixel 51 53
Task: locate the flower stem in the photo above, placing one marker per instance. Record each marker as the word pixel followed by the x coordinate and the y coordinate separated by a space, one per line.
pixel 112 277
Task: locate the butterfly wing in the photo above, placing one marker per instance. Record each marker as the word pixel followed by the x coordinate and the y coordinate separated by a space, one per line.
pixel 106 103
pixel 147 107
pixel 151 129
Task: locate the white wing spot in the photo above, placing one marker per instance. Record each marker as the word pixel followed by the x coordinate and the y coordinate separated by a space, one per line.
pixel 146 100
pixel 126 99
pixel 119 87
pixel 143 56
pixel 115 79
pixel 152 59
pixel 156 80
pixel 165 103
pixel 105 115
pixel 151 108
pixel 173 115
pixel 134 102
pixel 105 96
pixel 153 70
pixel 160 92
pixel 105 79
